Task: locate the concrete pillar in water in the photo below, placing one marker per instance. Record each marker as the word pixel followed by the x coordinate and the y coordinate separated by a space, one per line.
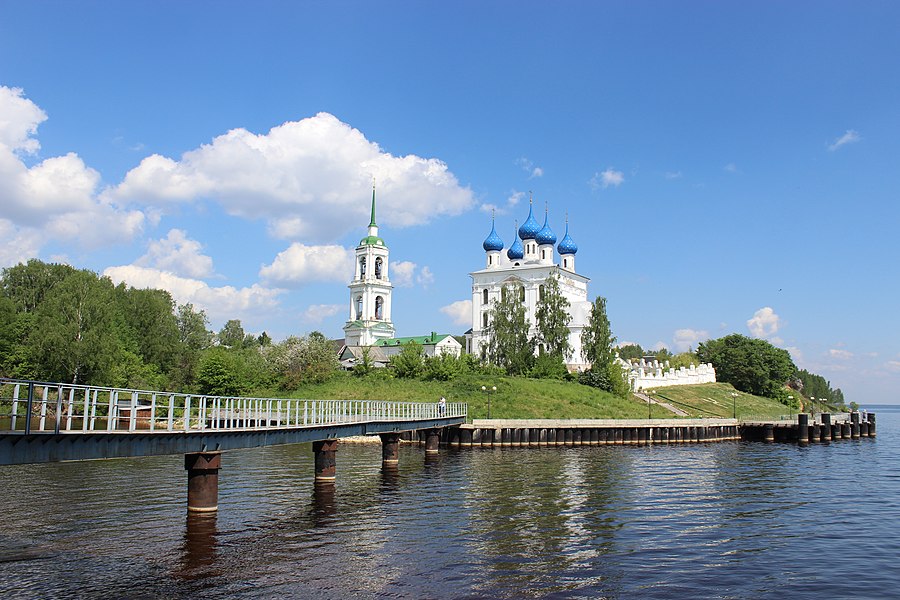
pixel 814 433
pixel 203 480
pixel 432 441
pixel 871 419
pixel 854 425
pixel 323 453
pixel 390 451
pixel 770 433
pixel 803 429
pixel 845 430
pixel 465 436
pixel 863 429
pixel 835 431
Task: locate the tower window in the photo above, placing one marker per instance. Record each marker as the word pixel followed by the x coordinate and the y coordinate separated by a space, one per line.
pixel 521 294
pixel 362 267
pixel 358 307
pixel 379 307
pixel 541 292
pixel 484 296
pixel 484 319
pixel 378 263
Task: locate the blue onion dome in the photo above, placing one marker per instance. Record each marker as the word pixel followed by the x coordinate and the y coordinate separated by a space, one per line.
pixel 516 251
pixel 530 227
pixel 493 241
pixel 545 235
pixel 567 245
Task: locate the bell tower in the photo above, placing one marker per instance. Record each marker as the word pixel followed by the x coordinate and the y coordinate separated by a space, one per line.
pixel 370 291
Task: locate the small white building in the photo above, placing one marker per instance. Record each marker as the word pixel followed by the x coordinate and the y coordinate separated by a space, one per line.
pixel 432 345
pixel 529 262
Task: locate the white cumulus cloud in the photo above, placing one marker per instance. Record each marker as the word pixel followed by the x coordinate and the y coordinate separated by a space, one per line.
pixel 301 264
pixel 850 136
pixel 607 178
pixel 764 323
pixel 840 354
pixel 460 312
pixel 317 313
pixel 55 199
pixel 685 339
pixel 177 254
pixel 310 178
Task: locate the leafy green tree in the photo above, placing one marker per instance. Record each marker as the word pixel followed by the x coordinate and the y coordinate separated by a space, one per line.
pixel 8 334
pixel 549 366
pixel 552 320
pixel 751 365
pixel 408 363
pixel 442 367
pixel 630 351
pixel 28 284
pixel 597 339
pixel 597 343
pixel 218 373
pixel 193 338
pixel 232 334
pixel 509 346
pixel 77 333
pixel 263 340
pixel 365 364
pixel 151 323
pixel 297 360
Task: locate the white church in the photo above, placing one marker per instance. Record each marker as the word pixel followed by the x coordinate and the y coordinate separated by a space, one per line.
pixel 529 261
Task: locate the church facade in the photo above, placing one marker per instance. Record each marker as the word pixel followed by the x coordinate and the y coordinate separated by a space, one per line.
pixel 530 260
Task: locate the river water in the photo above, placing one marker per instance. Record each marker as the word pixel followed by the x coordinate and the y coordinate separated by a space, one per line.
pixel 724 520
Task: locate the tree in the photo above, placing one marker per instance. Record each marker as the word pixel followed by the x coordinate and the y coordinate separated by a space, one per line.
pixel 152 326
pixel 597 339
pixel 597 348
pixel 77 331
pixel 408 363
pixel 552 320
pixel 28 284
pixel 750 365
pixel 219 373
pixel 630 351
pixel 193 337
pixel 296 360
pixel 232 334
pixel 509 346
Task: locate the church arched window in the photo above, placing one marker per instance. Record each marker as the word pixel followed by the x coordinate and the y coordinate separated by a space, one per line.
pixel 521 294
pixel 379 307
pixel 541 291
pixel 378 263
pixel 503 294
pixel 484 296
pixel 359 307
pixel 484 319
pixel 362 267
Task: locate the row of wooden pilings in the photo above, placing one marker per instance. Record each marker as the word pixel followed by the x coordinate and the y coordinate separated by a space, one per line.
pixel 519 434
pixel 803 432
pixel 203 467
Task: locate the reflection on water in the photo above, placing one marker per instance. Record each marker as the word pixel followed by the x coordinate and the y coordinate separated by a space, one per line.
pixel 729 520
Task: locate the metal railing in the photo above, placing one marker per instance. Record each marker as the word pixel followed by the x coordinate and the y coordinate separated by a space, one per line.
pixel 34 407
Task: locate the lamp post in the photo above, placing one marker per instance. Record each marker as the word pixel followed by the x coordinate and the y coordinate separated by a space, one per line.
pixel 649 414
pixel 812 407
pixel 734 404
pixel 493 391
pixel 791 406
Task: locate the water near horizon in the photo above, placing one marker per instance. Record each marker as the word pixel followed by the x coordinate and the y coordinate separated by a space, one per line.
pixel 725 520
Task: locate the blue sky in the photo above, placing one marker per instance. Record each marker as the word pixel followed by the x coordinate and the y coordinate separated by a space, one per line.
pixel 726 167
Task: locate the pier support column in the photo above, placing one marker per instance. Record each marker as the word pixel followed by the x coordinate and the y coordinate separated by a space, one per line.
pixel 432 441
pixel 390 449
pixel 203 480
pixel 826 427
pixel 323 451
pixel 803 429
pixel 854 425
pixel 770 432
pixel 871 419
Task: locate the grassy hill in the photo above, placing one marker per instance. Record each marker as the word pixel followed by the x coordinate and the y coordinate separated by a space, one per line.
pixel 523 398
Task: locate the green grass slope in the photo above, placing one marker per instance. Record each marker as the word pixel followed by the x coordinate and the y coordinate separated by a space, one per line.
pixel 524 398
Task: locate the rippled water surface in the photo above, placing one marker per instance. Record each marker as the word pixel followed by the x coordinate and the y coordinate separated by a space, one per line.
pixel 726 520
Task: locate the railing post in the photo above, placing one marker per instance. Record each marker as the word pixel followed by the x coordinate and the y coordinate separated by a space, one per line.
pixel 15 407
pixel 187 413
pixel 111 412
pixel 28 406
pixel 132 415
pixel 95 396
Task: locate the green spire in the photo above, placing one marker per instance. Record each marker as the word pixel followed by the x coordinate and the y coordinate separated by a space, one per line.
pixel 372 222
